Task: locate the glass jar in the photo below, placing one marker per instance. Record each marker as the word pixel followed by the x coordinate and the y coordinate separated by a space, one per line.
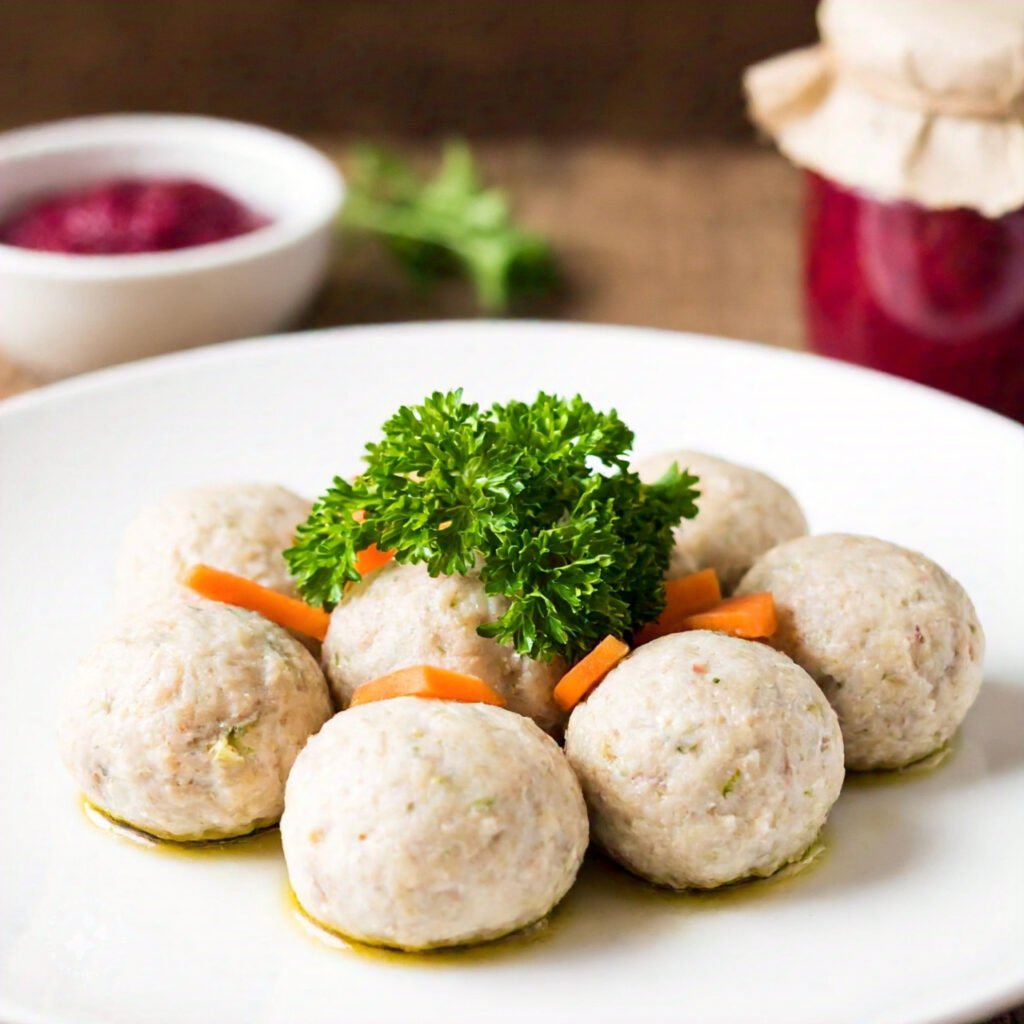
pixel 933 295
pixel 908 120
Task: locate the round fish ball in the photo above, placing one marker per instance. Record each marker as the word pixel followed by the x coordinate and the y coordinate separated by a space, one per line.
pixel 891 638
pixel 185 720
pixel 240 528
pixel 742 513
pixel 401 616
pixel 705 760
pixel 420 823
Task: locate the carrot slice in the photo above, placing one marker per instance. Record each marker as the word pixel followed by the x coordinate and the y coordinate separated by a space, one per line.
pixel 372 558
pixel 588 672
pixel 694 593
pixel 286 611
pixel 430 682
pixel 684 596
pixel 751 616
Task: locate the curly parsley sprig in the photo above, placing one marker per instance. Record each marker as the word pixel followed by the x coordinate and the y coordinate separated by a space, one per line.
pixel 447 225
pixel 538 495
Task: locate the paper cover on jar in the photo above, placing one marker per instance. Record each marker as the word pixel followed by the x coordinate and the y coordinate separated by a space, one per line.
pixel 909 99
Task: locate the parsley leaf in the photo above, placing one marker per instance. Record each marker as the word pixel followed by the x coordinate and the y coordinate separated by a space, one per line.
pixel 538 496
pixel 447 225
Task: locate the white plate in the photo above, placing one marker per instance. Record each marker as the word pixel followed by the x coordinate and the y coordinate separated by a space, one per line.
pixel 916 911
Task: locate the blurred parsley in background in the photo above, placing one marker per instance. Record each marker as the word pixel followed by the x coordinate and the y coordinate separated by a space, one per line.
pixel 448 225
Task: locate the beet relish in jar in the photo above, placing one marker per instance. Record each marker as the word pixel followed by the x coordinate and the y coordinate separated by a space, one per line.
pixel 933 295
pixel 909 121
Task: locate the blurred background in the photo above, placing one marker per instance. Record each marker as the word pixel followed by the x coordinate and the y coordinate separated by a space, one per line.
pixel 617 127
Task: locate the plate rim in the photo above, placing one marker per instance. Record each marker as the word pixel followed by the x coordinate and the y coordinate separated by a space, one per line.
pixel 239 349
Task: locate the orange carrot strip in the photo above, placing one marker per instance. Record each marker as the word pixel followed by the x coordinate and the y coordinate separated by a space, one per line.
pixel 684 596
pixel 286 611
pixel 429 682
pixel 751 616
pixel 588 672
pixel 372 558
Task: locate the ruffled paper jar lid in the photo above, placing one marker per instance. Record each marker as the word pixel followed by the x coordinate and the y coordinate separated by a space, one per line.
pixel 906 99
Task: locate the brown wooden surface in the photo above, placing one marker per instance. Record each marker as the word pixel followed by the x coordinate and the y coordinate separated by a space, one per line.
pixel 701 239
pixel 647 70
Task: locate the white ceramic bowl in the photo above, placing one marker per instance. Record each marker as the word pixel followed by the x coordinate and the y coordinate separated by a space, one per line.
pixel 62 314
